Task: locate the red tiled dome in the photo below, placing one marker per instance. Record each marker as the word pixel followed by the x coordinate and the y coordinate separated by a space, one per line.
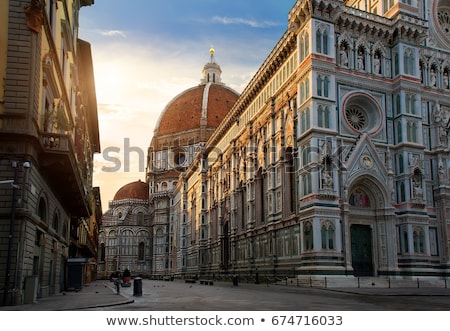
pixel 134 190
pixel 185 111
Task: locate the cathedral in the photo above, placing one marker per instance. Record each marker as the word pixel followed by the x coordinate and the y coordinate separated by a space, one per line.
pixel 334 160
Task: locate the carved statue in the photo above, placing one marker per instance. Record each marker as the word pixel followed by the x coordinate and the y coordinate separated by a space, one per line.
pixel 327 182
pixel 33 14
pixel 344 57
pixel 376 64
pixel 360 61
pixel 432 77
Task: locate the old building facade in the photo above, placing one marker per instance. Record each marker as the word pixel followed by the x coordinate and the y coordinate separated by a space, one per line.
pixel 49 211
pixel 184 126
pixel 125 236
pixel 335 158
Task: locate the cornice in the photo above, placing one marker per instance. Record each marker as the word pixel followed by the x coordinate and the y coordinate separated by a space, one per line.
pixel 282 50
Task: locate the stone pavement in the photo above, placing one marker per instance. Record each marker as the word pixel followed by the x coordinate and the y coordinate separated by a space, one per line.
pixel 102 293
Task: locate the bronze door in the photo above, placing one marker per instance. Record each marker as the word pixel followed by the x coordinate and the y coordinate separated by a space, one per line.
pixel 361 240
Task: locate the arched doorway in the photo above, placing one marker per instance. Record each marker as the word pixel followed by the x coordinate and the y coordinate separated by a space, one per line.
pixel 365 198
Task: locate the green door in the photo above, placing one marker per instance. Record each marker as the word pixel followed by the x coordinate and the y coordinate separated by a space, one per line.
pixel 361 240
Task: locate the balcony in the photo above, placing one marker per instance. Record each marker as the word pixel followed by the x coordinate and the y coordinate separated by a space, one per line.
pixel 64 172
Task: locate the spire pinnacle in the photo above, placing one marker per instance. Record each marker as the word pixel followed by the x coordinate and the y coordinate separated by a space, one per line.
pixel 211 71
pixel 211 52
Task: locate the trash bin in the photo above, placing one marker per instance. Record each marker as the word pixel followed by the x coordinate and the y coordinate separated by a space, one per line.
pixel 235 280
pixel 137 287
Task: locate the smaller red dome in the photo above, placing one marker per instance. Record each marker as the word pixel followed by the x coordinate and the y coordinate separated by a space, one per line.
pixel 134 190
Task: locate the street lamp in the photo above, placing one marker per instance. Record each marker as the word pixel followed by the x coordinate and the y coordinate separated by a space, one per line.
pixel 15 165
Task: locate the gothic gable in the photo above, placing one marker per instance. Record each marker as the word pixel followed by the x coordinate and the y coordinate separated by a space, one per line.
pixel 364 160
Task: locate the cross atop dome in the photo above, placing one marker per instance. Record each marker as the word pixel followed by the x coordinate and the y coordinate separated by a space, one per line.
pixel 211 71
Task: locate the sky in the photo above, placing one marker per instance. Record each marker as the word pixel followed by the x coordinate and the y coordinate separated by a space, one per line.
pixel 146 52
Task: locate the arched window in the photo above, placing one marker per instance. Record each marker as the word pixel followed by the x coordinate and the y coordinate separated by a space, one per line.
pixel 396 63
pixel 326 83
pixel 399 132
pixel 410 103
pixel 323 117
pixel 402 193
pixel 42 210
pixel 401 168
pixel 306 155
pixel 306 88
pixel 322 40
pixel 302 92
pixel 305 123
pixel 55 222
pixel 304 46
pixel 319 85
pixel 102 252
pixel 419 240
pixel 319 41
pixel 387 4
pixel 414 134
pixel 307 184
pixel 64 230
pixel 404 241
pixel 141 251
pixel 398 107
pixel 411 131
pixel 409 61
pixel 308 236
pixel 327 233
pixel 325 42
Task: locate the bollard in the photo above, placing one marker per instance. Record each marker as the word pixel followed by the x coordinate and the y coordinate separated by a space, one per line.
pixel 235 280
pixel 137 287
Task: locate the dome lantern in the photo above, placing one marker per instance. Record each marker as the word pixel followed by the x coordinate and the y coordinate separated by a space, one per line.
pixel 211 71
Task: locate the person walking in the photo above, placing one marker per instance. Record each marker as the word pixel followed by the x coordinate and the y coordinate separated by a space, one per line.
pixel 117 283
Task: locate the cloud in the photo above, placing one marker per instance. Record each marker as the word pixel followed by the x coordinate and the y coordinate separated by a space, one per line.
pixel 113 33
pixel 242 21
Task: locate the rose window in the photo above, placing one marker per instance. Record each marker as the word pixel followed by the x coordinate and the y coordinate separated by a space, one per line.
pixel 356 117
pixel 444 22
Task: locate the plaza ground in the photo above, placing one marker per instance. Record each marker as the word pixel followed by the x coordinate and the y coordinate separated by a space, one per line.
pixel 178 295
